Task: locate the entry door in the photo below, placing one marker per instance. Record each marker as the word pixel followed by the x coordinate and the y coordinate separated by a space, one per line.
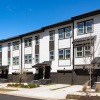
pixel 40 73
pixel 47 72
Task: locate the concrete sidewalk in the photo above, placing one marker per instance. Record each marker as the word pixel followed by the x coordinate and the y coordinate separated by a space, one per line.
pixel 50 92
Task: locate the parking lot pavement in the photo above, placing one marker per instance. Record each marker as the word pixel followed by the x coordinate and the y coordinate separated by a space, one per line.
pixel 55 91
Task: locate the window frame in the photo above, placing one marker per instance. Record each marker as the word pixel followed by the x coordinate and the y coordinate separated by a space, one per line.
pixel 16 60
pixel 68 32
pixel 36 58
pixel 37 42
pixel 89 26
pixel 28 59
pixel 78 33
pixel 51 55
pixel 87 50
pixel 9 61
pixel 9 46
pixel 79 51
pixel 62 33
pixel 69 53
pixel 51 36
pixel 15 45
pixel 28 42
pixel 60 54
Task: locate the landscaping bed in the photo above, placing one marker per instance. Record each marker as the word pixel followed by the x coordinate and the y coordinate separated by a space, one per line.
pixel 79 97
pixel 19 85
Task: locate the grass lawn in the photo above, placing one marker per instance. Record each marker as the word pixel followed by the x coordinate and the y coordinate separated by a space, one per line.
pixel 6 90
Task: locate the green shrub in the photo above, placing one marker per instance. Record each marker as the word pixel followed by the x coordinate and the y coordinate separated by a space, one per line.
pixel 23 86
pixel 33 85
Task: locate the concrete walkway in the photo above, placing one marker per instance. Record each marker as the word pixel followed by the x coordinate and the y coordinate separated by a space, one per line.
pixel 51 92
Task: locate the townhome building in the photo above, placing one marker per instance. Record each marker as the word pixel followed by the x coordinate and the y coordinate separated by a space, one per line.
pixel 65 52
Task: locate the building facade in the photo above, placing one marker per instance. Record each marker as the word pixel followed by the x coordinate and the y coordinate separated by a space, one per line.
pixel 62 52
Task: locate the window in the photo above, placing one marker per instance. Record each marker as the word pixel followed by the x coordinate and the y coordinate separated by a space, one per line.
pixel 0 61
pixel 80 27
pixel 67 53
pixel 79 51
pixel 67 32
pixel 0 48
pixel 8 61
pixel 61 33
pixel 52 55
pixel 51 33
pixel 28 58
pixel 37 40
pixel 16 45
pixel 9 45
pixel 28 42
pixel 15 60
pixel 37 58
pixel 61 54
pixel 87 50
pixel 89 26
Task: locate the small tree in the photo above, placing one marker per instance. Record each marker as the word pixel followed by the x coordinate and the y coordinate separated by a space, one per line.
pixel 22 74
pixel 93 45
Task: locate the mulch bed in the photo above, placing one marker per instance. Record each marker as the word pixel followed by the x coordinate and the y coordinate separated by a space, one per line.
pixel 90 98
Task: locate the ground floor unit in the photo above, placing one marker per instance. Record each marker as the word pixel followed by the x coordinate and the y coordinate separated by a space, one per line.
pixel 44 74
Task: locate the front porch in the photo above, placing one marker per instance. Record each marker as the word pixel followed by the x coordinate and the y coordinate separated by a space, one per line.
pixel 42 75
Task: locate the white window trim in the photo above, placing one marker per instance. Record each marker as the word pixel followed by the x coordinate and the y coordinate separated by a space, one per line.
pixel 65 53
pixel 16 47
pixel 38 39
pixel 62 33
pixel 52 55
pixel 16 60
pixel 81 28
pixel 89 26
pixel 68 32
pixel 28 42
pixel 87 50
pixel 53 35
pixel 36 58
pixel 82 52
pixel 9 47
pixel 28 59
pixel 9 61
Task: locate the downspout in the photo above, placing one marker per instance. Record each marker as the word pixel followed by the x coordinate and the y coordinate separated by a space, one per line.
pixel 73 73
pixel 21 57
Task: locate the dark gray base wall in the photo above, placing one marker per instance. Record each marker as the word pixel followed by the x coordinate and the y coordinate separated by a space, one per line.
pixel 66 77
pixel 16 77
pixel 81 79
pixel 80 76
pixel 60 77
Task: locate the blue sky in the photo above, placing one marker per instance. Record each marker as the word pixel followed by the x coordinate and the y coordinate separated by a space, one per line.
pixel 22 16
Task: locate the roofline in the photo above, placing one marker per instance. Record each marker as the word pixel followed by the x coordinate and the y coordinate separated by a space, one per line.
pixel 92 13
pixel 22 35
